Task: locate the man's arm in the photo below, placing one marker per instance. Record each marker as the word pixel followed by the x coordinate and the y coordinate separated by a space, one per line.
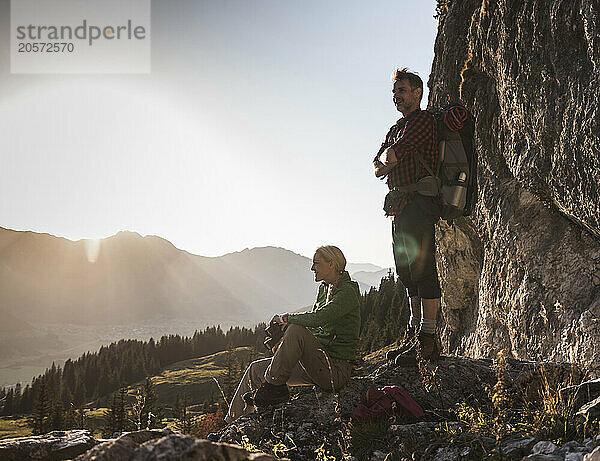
pixel 386 161
pixel 381 163
pixel 417 131
pixel 381 169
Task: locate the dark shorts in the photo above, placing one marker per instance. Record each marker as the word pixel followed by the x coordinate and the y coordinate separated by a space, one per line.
pixel 413 240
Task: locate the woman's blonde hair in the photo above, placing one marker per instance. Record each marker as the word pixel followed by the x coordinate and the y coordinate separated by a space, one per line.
pixel 333 255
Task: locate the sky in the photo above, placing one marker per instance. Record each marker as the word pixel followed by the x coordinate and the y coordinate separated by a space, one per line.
pixel 256 126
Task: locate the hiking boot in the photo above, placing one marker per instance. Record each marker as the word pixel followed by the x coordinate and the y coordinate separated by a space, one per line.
pixel 426 348
pixel 213 437
pixel 271 394
pixel 407 343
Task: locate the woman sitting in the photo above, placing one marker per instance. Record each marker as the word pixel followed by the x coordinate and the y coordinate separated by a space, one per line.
pixel 317 346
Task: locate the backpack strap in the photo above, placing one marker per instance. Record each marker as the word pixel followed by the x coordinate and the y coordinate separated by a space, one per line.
pixel 418 186
pixel 422 162
pixel 389 137
pixel 405 401
pixel 414 187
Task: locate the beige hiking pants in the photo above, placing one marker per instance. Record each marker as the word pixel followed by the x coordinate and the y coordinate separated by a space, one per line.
pixel 299 360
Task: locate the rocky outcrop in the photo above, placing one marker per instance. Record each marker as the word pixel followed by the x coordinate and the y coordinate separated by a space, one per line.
pixel 154 445
pixel 314 418
pixel 581 393
pixel 55 445
pixel 523 273
pixel 315 421
pixel 317 425
pixel 130 446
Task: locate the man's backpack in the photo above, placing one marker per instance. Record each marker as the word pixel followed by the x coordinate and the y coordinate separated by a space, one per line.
pixel 385 402
pixel 457 165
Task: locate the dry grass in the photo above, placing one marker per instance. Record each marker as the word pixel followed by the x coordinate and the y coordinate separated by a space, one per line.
pixel 14 426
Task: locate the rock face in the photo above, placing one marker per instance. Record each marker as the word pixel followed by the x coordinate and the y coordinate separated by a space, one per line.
pixel 523 273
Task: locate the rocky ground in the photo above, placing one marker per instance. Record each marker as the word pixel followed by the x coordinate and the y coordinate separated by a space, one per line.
pixel 130 446
pixel 474 409
pixel 468 415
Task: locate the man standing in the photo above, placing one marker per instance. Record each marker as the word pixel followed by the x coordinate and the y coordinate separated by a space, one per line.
pixel 407 153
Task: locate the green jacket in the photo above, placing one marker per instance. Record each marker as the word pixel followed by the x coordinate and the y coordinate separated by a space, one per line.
pixel 335 324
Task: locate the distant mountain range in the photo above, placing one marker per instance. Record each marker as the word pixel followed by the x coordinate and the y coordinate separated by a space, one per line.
pixel 129 278
pixel 60 298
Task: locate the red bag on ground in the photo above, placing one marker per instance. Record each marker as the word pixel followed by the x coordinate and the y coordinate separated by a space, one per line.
pixel 387 401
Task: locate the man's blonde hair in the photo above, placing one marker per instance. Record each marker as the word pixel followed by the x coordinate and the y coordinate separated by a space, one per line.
pixel 333 255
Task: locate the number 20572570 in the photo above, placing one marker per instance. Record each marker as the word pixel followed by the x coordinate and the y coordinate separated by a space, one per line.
pixel 45 47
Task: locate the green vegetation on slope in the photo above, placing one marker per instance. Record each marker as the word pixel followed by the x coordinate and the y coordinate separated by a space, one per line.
pixel 196 377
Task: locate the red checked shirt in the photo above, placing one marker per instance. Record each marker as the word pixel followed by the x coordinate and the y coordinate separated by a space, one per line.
pixel 417 131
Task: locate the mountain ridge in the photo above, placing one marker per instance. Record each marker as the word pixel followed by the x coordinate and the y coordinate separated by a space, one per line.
pixel 59 297
pixel 43 274
pixel 151 276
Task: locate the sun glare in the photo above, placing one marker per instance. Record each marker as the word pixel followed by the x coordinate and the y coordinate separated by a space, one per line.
pixel 92 249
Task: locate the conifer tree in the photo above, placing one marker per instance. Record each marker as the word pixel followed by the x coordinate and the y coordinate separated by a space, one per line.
pixel 80 418
pixel 3 401
pixel 230 379
pixel 74 417
pixel 9 407
pixel 182 414
pixel 145 409
pixel 42 406
pixel 56 419
pixel 17 399
pixel 115 418
pixel 26 401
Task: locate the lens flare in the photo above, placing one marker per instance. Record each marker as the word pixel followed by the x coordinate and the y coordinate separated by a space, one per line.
pixel 406 249
pixel 92 249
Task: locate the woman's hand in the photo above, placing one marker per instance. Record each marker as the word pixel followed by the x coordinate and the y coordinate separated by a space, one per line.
pixel 276 319
pixel 280 319
pixel 276 346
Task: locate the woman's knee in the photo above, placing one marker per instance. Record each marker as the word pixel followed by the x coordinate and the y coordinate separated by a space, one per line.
pixel 295 330
pixel 256 370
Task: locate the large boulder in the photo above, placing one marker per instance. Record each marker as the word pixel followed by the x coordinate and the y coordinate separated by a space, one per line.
pixel 56 445
pixel 523 273
pixel 143 445
pixel 165 445
pixel 123 446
